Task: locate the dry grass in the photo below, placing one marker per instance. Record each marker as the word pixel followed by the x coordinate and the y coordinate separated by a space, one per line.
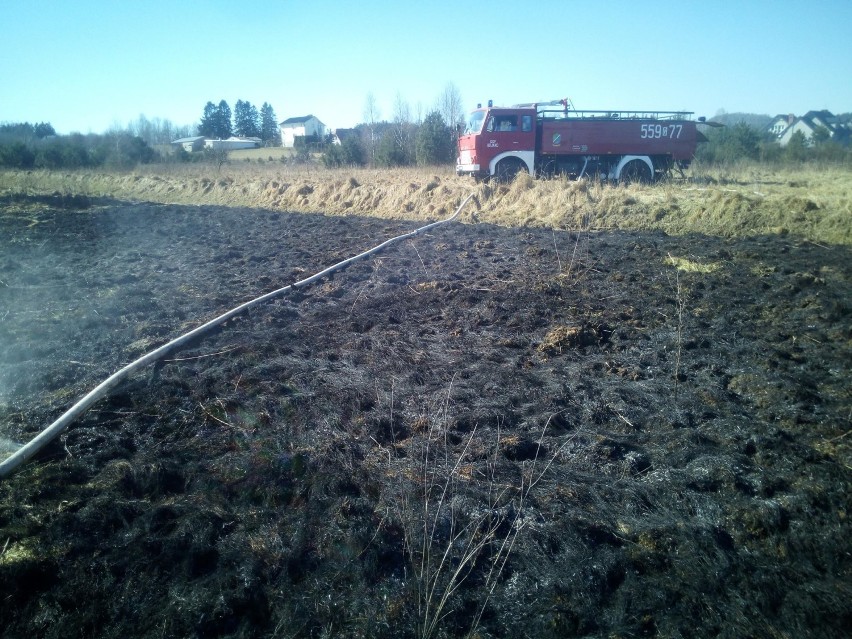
pixel 814 201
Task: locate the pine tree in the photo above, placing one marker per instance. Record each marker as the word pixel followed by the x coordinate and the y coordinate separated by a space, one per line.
pixel 223 121
pixel 254 119
pixel 246 120
pixel 207 127
pixel 269 131
pixel 434 141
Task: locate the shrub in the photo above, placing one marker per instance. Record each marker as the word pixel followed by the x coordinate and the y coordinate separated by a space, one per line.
pixel 730 144
pixel 67 153
pixel 347 153
pixel 16 155
pixel 392 150
pixel 435 141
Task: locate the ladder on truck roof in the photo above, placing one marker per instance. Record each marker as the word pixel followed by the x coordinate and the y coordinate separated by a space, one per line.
pixel 561 114
pixel 561 109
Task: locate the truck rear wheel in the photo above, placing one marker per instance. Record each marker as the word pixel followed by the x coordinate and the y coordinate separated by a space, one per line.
pixel 635 171
pixel 506 170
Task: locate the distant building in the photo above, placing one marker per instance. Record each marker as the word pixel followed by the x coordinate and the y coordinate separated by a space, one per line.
pixel 190 144
pixel 338 136
pixel 783 127
pixel 780 123
pixel 304 126
pixel 233 143
pixel 199 143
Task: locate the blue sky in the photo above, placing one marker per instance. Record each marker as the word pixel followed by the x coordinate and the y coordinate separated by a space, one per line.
pixel 87 65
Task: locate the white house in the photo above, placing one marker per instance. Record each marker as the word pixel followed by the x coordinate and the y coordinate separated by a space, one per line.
pixel 809 123
pixel 306 125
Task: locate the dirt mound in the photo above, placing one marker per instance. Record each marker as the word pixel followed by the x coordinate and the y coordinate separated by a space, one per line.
pixel 537 432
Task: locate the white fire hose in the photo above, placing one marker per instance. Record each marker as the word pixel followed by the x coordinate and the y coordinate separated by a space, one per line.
pixel 19 457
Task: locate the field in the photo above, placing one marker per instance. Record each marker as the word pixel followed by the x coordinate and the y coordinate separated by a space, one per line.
pixel 583 411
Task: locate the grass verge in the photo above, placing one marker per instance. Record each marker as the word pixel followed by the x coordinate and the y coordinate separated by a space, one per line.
pixel 813 201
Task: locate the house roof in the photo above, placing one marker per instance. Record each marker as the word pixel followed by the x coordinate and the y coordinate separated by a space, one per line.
pixel 298 120
pixel 344 133
pixel 823 115
pixel 185 140
pixel 820 118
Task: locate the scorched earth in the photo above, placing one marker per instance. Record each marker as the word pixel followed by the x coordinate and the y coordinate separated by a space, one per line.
pixel 513 432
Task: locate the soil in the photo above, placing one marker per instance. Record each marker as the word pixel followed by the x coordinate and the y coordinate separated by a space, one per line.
pixel 510 431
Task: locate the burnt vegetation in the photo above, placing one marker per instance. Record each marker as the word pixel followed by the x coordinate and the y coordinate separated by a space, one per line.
pixel 486 431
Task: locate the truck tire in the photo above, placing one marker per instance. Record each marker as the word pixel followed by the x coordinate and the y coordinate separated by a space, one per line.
pixel 506 170
pixel 635 171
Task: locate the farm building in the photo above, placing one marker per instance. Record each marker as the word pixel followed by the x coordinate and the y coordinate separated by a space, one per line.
pixel 304 126
pixel 199 143
pixel 190 144
pixel 232 144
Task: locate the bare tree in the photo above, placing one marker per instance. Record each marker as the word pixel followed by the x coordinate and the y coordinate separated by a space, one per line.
pixel 450 106
pixel 404 128
pixel 401 110
pixel 371 118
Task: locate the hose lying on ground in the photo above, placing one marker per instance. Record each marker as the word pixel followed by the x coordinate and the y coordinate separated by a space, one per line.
pixel 47 435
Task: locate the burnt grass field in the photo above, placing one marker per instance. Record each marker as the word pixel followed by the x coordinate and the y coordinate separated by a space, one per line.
pixel 507 432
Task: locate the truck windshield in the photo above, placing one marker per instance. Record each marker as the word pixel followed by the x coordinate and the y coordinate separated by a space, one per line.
pixel 474 124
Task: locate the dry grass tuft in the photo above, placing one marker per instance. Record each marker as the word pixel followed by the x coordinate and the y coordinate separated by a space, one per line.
pixel 813 201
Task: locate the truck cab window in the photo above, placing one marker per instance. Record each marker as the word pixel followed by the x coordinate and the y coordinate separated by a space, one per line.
pixel 526 123
pixel 474 125
pixel 503 123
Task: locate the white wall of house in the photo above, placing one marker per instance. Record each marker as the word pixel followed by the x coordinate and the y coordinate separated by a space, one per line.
pixel 311 126
pixel 798 125
pixel 289 132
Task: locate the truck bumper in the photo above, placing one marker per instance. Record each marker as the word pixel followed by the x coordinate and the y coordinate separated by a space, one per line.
pixel 469 169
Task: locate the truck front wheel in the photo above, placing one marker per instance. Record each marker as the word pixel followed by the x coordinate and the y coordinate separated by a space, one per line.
pixel 635 171
pixel 506 170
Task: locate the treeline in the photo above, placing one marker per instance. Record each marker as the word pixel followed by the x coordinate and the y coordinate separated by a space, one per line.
pixel 388 144
pixel 406 139
pixel 741 141
pixel 26 146
pixel 218 122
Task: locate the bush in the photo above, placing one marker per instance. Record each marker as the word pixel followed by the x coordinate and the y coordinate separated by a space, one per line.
pixel 730 144
pixel 435 141
pixel 126 151
pixel 16 155
pixel 63 153
pixel 215 156
pixel 733 144
pixel 393 150
pixel 307 142
pixel 347 153
pixel 22 148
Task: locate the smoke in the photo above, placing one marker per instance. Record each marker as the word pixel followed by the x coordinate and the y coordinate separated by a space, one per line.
pixel 7 446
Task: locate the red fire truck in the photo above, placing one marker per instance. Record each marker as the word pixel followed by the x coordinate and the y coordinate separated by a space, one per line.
pixel 553 138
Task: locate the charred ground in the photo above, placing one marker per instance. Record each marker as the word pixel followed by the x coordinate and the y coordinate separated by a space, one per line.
pixel 680 406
